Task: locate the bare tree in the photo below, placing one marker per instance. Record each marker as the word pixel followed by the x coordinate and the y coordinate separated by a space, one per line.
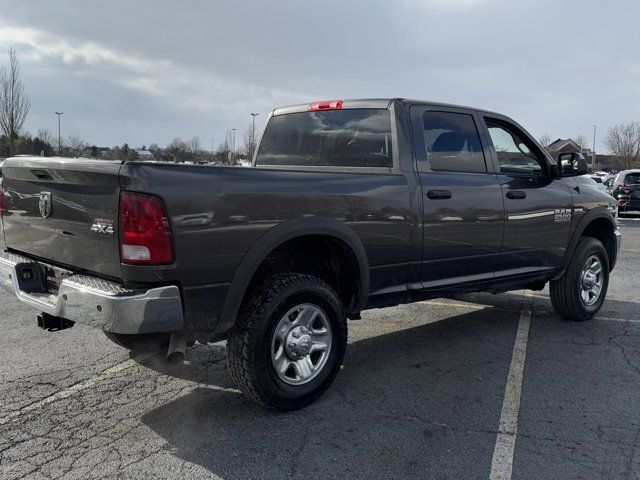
pixel 46 136
pixel 113 153
pixel 581 141
pixel 176 149
pixel 194 148
pixel 623 141
pixel 14 103
pixel 249 143
pixel 545 140
pixel 75 146
pixel 223 155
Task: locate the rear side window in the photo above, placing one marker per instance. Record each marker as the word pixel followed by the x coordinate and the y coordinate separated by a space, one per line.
pixel 632 178
pixel 331 138
pixel 452 142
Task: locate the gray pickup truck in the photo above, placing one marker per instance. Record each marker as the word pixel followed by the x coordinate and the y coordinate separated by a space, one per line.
pixel 350 205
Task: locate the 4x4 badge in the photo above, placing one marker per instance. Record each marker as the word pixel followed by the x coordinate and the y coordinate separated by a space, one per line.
pixel 44 205
pixel 101 225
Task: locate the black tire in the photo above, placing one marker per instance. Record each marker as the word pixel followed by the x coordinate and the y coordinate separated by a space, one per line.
pixel 565 292
pixel 140 343
pixel 250 341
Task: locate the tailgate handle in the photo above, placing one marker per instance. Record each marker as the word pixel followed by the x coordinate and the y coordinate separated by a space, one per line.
pixel 516 194
pixel 438 194
pixel 42 174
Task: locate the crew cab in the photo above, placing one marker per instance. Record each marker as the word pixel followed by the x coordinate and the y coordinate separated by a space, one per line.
pixel 349 205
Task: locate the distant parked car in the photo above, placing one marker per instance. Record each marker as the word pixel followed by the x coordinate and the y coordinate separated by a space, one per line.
pixel 626 190
pixel 609 183
pixel 599 181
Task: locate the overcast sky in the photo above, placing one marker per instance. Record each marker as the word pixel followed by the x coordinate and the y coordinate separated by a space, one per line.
pixel 146 71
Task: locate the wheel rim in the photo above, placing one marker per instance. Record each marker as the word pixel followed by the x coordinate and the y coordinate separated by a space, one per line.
pixel 301 344
pixel 591 280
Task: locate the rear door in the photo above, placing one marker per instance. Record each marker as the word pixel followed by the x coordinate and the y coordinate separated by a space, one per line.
pixel 63 211
pixel 463 211
pixel 539 208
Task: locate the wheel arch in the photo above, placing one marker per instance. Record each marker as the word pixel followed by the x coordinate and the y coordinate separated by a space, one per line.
pixel 599 224
pixel 280 235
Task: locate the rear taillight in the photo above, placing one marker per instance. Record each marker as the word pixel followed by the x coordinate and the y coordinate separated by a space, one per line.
pixel 145 235
pixel 326 105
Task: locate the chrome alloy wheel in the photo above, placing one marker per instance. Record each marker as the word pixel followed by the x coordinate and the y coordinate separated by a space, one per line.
pixel 591 280
pixel 301 344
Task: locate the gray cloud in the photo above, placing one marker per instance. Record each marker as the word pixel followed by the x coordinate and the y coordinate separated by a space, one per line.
pixel 145 71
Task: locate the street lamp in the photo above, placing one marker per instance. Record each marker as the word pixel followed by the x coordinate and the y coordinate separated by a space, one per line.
pixel 253 132
pixel 59 137
pixel 593 164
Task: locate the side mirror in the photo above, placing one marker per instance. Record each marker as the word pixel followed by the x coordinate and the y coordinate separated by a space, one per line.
pixel 572 164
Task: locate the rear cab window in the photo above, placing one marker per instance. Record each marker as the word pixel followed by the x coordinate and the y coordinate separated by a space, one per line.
pixel 331 138
pixel 451 142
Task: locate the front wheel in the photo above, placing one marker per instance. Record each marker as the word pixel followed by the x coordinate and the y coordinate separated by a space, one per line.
pixel 289 342
pixel 580 292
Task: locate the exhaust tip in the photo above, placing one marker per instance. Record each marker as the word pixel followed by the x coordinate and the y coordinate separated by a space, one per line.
pixel 177 348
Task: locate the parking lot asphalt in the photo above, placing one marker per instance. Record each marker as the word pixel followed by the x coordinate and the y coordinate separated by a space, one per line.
pixel 421 395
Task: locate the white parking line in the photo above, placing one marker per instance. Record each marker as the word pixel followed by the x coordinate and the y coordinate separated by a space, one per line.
pixel 455 305
pixel 502 462
pixel 611 319
pixel 78 387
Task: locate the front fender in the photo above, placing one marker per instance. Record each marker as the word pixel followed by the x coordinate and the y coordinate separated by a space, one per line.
pixel 597 213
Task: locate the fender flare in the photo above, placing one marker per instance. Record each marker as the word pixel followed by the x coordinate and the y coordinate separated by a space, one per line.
pixel 590 216
pixel 277 236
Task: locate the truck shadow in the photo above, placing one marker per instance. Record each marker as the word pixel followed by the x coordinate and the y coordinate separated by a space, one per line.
pixel 399 407
pixel 404 406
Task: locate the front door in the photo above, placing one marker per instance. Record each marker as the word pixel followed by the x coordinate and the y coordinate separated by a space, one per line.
pixel 539 207
pixel 463 211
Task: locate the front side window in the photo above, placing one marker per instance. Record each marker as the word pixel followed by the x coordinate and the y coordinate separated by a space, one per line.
pixel 331 138
pixel 515 152
pixel 452 142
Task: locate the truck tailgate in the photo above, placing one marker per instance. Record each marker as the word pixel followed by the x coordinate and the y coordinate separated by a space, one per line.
pixel 63 210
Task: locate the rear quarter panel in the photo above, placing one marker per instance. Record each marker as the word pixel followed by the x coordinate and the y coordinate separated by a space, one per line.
pixel 218 213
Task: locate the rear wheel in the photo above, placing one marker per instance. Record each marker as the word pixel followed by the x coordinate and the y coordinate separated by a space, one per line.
pixel 143 343
pixel 580 292
pixel 289 342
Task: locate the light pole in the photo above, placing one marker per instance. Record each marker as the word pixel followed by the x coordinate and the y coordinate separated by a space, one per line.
pixel 593 164
pixel 253 132
pixel 233 149
pixel 59 137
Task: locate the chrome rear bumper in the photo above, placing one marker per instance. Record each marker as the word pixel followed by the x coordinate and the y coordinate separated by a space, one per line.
pixel 99 303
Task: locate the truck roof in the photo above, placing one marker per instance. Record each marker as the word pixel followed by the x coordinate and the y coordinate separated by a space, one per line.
pixel 375 103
